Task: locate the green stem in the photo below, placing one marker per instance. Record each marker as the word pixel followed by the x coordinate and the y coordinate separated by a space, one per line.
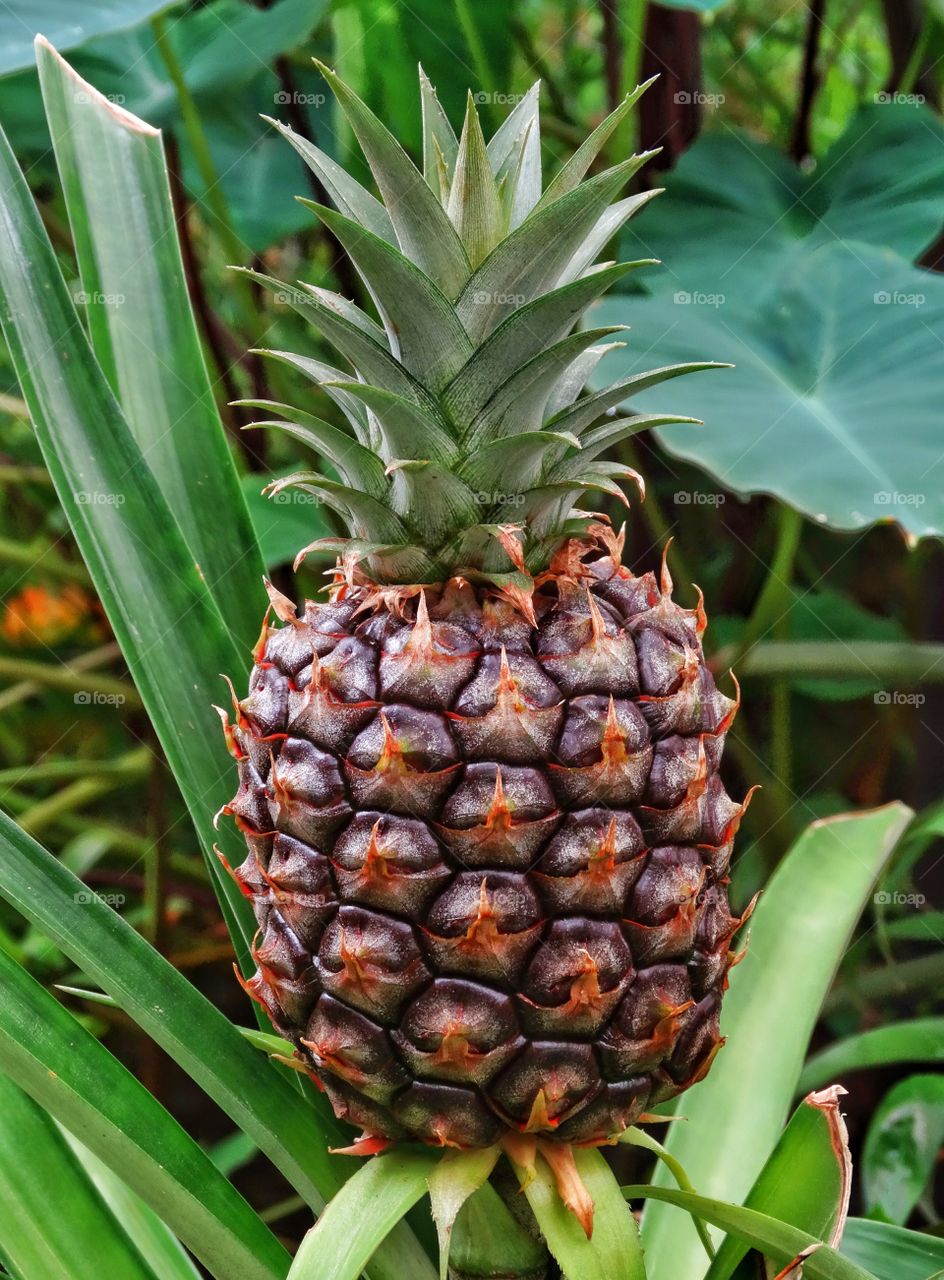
pixel 633 25
pixel 659 526
pixel 776 594
pixel 912 71
pixel 900 663
pixel 14 406
pixel 634 1137
pixel 42 556
pixel 81 793
pixel 282 1208
pixel 69 679
pixel 890 981
pixel 203 157
pixel 11 474
pixel 480 60
pixel 100 657
pixel 63 771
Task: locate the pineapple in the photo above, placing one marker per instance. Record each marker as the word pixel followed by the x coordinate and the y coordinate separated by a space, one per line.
pixel 488 840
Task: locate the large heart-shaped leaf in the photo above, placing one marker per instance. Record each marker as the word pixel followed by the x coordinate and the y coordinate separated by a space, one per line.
pixel 834 404
pixel 65 23
pixel 224 50
pixel 737 213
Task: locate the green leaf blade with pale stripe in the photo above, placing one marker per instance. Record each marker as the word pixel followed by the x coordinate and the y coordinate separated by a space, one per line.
pixel 70 1075
pixel 114 179
pixel 798 934
pixel 81 1239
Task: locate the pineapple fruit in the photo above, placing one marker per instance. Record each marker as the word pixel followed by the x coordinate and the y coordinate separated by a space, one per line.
pixel 487 837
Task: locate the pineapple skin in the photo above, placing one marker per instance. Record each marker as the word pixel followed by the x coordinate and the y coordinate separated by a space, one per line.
pixel 488 858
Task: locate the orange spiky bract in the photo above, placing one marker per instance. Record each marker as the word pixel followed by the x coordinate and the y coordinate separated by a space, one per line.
pixel 488 839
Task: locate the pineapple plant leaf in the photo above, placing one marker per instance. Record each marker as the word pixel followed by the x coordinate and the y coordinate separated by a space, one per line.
pixel 787 1245
pixel 142 328
pixel 74 1078
pixel 735 1118
pixel 83 1235
pixel 806 1181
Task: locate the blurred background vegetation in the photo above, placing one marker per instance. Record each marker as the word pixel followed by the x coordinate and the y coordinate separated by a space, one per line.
pixel 801 149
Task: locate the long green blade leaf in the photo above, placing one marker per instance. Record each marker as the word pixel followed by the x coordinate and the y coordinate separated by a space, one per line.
pixel 293 1133
pixel 805 1183
pixel 371 1203
pixel 65 1069
pixel 734 1118
pixel 155 1242
pixel 80 1240
pixel 170 631
pixel 892 1253
pixel 114 179
pixel 776 1239
pixel 165 1005
pixel 919 1040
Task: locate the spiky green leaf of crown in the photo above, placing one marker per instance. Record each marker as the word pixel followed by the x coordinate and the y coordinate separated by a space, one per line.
pixel 466 407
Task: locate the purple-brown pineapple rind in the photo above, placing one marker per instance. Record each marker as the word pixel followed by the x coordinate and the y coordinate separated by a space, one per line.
pixel 488 861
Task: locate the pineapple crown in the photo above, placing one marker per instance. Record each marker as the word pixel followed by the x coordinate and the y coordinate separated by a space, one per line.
pixel 471 436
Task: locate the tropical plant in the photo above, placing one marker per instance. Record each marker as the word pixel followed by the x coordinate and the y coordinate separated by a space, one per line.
pixel 141 466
